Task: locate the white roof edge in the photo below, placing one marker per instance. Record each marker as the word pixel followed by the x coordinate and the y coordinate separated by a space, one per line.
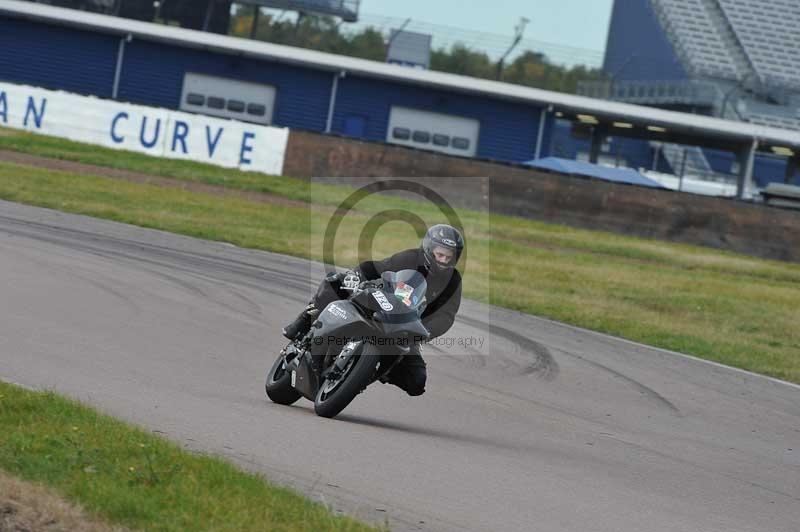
pixel 685 122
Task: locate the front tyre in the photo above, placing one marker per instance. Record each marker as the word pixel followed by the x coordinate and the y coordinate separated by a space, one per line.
pixel 334 395
pixel 279 384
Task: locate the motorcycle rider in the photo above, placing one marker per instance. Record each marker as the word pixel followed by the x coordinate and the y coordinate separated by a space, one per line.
pixel 436 260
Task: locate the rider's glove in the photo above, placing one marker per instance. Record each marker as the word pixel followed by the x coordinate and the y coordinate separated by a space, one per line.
pixel 351 280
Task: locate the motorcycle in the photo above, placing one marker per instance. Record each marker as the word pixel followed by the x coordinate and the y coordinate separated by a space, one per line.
pixel 353 343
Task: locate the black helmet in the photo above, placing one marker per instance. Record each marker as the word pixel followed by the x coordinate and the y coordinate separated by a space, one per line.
pixel 442 236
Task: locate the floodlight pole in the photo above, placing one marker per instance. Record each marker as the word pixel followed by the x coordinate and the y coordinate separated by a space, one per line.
pixel 519 29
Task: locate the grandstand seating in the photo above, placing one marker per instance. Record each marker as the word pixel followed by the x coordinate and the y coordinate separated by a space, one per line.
pixel 770 115
pixel 740 59
pixel 702 38
pixel 753 42
pixel 767 31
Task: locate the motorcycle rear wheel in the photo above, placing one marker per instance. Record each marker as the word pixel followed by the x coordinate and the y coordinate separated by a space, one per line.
pixel 279 384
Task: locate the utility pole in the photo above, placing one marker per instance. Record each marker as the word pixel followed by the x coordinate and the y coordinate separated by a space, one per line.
pixel 519 29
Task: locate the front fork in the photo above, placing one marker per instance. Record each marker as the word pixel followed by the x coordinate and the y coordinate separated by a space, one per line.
pixel 298 362
pixel 336 369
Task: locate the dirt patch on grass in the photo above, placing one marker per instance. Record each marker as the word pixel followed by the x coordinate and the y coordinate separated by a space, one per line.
pixel 26 507
pixel 61 165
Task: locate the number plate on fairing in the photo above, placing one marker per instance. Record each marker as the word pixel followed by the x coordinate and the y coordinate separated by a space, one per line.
pixel 380 297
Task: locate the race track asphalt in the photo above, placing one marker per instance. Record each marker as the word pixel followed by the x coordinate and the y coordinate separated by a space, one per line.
pixel 544 427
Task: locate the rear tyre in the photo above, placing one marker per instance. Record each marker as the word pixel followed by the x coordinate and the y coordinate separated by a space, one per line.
pixel 279 384
pixel 334 396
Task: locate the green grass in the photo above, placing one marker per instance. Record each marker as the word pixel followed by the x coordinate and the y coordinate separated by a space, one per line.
pixel 130 477
pixel 720 306
pixel 66 150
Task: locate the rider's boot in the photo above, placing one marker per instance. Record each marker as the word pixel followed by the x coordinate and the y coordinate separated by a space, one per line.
pixel 302 324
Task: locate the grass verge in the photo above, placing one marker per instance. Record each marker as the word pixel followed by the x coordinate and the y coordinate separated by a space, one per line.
pixel 716 305
pixel 129 477
pixel 29 506
pixel 189 171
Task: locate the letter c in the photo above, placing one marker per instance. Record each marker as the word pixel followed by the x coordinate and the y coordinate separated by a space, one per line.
pixel 116 138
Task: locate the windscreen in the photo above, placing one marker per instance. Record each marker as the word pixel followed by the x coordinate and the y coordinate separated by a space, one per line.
pixel 407 286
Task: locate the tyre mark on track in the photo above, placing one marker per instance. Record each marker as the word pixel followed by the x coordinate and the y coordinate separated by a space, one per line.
pixel 107 287
pixel 644 389
pixel 197 265
pixel 211 262
pixel 544 358
pixel 544 365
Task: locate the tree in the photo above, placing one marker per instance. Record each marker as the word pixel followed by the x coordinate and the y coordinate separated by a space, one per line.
pixel 323 33
pixel 461 60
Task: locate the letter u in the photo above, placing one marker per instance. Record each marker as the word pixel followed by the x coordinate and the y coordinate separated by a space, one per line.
pixel 151 143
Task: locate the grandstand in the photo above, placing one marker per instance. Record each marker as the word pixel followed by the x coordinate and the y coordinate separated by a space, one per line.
pixel 745 54
pixel 733 59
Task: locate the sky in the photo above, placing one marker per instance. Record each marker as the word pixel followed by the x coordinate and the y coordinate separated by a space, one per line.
pixel 566 23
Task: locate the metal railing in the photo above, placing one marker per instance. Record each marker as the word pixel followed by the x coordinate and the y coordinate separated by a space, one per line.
pixel 691 162
pixel 653 92
pixel 725 100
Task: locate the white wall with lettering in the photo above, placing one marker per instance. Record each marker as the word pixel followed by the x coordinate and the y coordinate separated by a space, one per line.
pixel 149 130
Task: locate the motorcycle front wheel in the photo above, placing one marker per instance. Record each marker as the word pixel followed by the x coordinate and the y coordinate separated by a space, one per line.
pixel 335 394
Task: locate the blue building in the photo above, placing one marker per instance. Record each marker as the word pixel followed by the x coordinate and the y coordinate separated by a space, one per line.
pixel 153 65
pixel 182 69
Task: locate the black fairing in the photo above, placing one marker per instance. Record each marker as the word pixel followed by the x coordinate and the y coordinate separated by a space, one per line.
pixel 339 320
pixel 400 319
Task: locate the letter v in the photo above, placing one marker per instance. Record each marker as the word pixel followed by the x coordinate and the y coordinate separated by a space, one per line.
pixel 212 144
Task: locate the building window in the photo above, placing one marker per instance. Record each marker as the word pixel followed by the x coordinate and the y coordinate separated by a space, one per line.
pixel 215 102
pixel 256 109
pixel 423 137
pixel 441 140
pixel 401 133
pixel 237 106
pixel 460 143
pixel 195 99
